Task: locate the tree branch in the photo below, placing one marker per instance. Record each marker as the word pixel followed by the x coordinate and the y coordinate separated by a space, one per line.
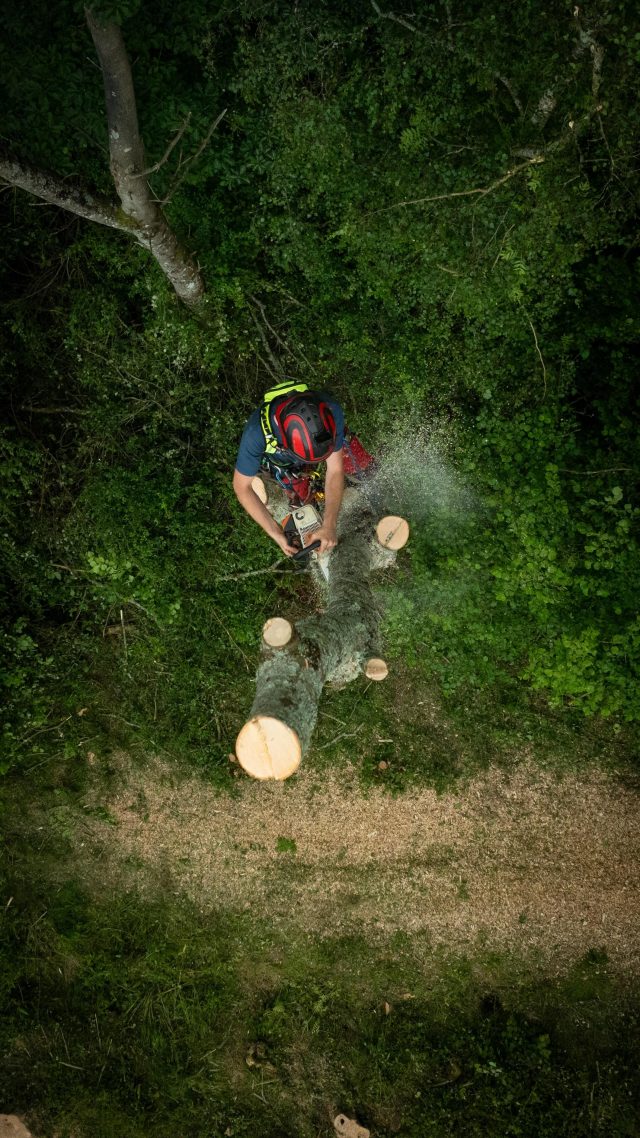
pixel 184 166
pixel 396 19
pixel 53 190
pixel 544 370
pixel 275 362
pixel 536 159
pixel 168 152
pixel 512 91
pixel 126 153
pixel 586 41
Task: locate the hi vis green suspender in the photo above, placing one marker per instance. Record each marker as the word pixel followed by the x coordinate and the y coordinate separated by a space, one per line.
pixel 284 388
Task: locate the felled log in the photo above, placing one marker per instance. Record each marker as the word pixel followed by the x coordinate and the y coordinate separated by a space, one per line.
pixel 335 646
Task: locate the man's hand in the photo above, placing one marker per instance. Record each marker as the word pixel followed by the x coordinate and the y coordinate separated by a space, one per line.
pixel 284 544
pixel 327 537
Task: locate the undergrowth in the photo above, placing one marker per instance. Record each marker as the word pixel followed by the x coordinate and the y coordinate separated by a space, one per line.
pixel 123 1017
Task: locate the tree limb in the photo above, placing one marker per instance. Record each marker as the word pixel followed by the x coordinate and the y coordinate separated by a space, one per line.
pixel 126 154
pixel 536 159
pixel 586 41
pixel 184 166
pixel 170 148
pixel 512 91
pixel 544 370
pixel 275 362
pixel 396 19
pixel 72 198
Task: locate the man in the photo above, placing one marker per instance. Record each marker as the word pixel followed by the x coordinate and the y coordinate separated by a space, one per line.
pixel 286 439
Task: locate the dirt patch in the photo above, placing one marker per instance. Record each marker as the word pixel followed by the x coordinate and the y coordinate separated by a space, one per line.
pixel 521 863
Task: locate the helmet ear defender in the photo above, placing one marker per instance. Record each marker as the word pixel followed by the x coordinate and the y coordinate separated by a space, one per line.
pixel 306 426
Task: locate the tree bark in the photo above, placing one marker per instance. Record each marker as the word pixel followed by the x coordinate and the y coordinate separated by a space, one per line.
pixel 53 190
pixel 127 164
pixel 138 215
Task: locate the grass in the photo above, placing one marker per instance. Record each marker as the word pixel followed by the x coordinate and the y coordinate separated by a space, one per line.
pixel 122 1016
pixel 125 1017
pixel 428 740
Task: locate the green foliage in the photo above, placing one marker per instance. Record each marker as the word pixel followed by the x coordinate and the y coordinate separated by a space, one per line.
pixel 341 188
pixel 286 845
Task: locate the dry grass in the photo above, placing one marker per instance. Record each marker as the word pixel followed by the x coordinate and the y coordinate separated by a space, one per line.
pixel 520 863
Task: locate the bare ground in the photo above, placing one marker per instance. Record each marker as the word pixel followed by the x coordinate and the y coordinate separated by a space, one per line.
pixel 526 863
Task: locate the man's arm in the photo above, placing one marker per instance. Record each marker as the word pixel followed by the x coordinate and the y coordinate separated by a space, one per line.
pixel 256 509
pixel 333 490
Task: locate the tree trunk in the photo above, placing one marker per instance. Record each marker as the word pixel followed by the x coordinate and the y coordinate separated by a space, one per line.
pixel 335 646
pixel 138 215
pixel 127 164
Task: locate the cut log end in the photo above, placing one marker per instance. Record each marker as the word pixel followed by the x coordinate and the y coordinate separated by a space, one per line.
pixel 376 669
pixel 349 1128
pixel 268 749
pixel 260 489
pixel 277 632
pixel 392 532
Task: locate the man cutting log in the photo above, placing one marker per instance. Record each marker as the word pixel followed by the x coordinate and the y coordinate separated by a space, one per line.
pixel 286 439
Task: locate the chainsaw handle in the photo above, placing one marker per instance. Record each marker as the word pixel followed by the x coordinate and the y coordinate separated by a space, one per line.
pixel 306 549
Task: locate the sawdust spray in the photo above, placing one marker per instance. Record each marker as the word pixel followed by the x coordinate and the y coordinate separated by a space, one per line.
pixel 416 477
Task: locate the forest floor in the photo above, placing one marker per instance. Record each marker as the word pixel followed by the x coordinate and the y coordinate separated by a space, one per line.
pixel 520 862
pixel 332 943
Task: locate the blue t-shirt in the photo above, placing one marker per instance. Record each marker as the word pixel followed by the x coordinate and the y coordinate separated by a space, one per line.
pixel 252 444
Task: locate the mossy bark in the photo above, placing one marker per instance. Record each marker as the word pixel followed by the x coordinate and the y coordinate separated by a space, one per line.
pixel 331 647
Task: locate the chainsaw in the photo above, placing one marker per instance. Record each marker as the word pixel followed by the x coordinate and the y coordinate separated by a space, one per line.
pixel 303 521
pixel 299 527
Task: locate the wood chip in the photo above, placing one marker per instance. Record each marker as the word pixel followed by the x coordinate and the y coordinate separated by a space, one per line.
pixel 349 1128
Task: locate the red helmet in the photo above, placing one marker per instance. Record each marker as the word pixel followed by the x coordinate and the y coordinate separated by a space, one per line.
pixel 306 426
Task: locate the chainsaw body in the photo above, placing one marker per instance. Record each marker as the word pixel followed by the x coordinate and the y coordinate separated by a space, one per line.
pixel 299 527
pixel 301 523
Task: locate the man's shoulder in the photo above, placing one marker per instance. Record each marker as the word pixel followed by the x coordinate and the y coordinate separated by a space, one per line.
pixel 252 445
pixel 253 424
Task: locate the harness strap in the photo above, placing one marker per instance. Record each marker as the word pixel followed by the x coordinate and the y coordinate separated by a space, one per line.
pixel 284 388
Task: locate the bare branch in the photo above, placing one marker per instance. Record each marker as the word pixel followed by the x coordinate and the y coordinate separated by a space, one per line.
pixel 545 107
pixel 184 166
pixel 586 41
pixel 535 160
pixel 267 367
pixel 285 347
pixel 509 86
pixel 275 362
pixel 170 148
pixel 544 370
pixel 607 470
pixel 396 19
pixel 56 192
